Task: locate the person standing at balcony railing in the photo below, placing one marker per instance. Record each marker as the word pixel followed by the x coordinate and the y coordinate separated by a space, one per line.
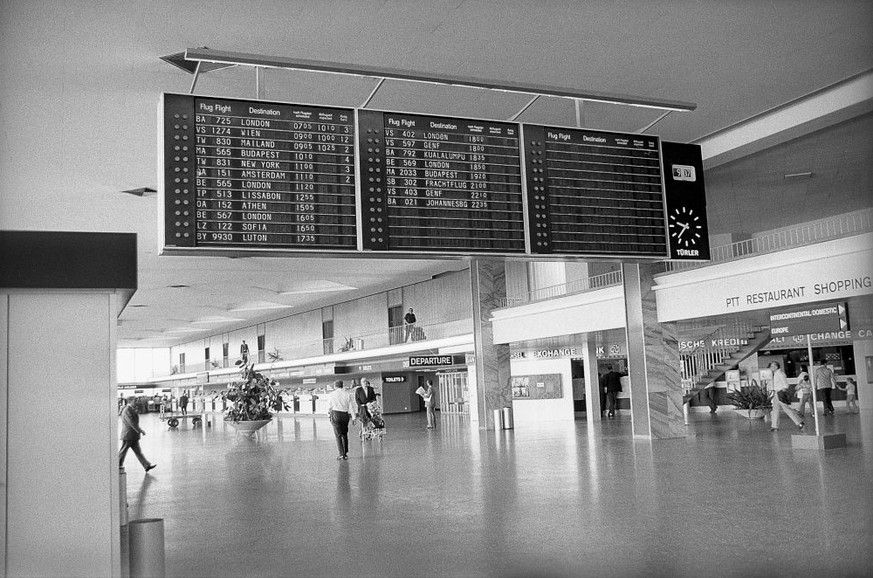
pixel 244 352
pixel 409 325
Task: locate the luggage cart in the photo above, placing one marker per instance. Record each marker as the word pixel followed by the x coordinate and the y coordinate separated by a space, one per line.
pixel 173 420
pixel 372 425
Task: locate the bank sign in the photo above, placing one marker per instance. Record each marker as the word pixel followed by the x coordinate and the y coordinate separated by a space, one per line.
pixel 823 318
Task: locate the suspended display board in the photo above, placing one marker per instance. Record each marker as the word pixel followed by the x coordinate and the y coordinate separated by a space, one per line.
pixel 594 193
pixel 243 176
pixel 438 184
pixel 258 175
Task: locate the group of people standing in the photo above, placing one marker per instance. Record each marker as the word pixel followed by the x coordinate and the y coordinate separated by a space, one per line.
pixel 345 407
pixel 824 383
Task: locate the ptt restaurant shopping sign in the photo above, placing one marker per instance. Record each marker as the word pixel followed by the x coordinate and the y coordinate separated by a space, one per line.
pixel 825 317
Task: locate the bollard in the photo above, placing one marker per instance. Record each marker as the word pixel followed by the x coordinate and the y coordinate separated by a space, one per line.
pixel 147 548
pixel 498 419
pixel 685 412
pixel 507 418
pixel 122 495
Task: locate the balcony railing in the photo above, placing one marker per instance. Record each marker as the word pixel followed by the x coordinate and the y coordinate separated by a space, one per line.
pixel 836 227
pixel 810 233
pixel 341 344
pixel 579 286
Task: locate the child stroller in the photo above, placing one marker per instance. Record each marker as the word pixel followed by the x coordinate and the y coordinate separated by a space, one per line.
pixel 372 424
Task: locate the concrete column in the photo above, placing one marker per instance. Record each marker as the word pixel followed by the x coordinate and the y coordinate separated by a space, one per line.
pixel 488 287
pixel 653 360
pixel 592 380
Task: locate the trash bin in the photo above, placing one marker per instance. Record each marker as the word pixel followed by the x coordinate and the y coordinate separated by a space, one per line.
pixel 507 418
pixel 498 419
pixel 147 548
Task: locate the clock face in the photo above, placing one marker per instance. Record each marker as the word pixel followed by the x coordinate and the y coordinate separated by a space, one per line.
pixel 685 227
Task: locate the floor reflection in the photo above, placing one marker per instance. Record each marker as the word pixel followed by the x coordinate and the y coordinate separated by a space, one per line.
pixel 552 499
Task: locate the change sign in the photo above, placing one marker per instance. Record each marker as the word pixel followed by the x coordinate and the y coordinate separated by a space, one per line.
pixel 820 318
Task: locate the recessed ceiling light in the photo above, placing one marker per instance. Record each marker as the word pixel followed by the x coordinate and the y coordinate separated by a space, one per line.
pixel 179 286
pixel 317 287
pixel 799 175
pixel 259 306
pixel 141 192
pixel 216 319
pixel 138 306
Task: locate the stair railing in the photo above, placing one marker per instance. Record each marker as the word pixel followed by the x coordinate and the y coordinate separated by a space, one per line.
pixel 714 349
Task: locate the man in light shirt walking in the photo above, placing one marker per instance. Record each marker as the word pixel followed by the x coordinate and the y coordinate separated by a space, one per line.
pixel 342 408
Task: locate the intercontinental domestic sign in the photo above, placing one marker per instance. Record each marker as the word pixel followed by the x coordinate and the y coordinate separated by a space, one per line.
pixel 819 318
pixel 271 177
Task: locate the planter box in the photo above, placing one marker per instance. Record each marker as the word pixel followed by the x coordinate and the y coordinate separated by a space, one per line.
pixel 752 413
pixel 249 427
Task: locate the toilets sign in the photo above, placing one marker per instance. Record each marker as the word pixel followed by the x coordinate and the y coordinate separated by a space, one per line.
pixel 821 318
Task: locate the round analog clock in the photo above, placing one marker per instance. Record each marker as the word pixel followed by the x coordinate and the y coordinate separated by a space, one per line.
pixel 684 227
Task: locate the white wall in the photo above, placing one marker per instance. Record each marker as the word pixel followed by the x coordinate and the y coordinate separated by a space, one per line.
pixel 794 277
pixel 61 463
pixel 143 364
pixel 863 350
pixel 539 410
pixel 582 312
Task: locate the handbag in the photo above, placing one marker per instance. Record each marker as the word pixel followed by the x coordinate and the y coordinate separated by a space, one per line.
pixel 784 396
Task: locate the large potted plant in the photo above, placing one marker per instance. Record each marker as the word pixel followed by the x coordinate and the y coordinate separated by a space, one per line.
pixel 752 402
pixel 252 401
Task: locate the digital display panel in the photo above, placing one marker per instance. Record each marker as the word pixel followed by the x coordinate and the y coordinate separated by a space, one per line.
pixel 594 193
pixel 440 184
pixel 255 174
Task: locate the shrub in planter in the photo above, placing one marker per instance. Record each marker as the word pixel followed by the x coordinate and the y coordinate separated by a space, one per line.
pixel 253 398
pixel 752 398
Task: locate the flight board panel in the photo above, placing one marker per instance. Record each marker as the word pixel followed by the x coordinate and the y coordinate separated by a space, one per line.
pixel 594 193
pixel 432 184
pixel 246 174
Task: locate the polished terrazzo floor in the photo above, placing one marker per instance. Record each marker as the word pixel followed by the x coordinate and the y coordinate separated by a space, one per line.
pixel 557 499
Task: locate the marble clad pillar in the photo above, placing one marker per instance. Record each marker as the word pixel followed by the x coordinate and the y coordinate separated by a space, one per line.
pixel 653 360
pixel 493 391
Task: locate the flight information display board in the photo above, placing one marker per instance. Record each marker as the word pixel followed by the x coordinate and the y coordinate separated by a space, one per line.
pixel 260 175
pixel 256 176
pixel 594 193
pixel 440 184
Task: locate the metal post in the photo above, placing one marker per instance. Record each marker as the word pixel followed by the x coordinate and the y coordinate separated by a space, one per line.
pixel 498 419
pixel 147 548
pixel 122 495
pixel 814 396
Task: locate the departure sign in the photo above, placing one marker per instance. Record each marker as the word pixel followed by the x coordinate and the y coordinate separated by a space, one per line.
pixel 594 193
pixel 243 174
pixel 440 184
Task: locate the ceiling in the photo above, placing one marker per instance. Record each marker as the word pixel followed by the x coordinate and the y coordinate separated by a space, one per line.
pixel 80 81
